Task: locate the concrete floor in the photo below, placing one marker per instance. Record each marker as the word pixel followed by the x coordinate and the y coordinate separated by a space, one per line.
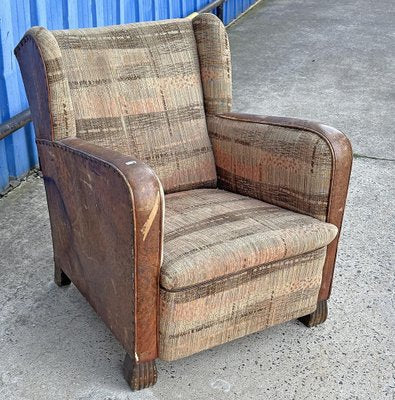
pixel 53 346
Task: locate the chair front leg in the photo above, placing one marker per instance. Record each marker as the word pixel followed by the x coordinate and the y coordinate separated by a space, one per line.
pixel 318 316
pixel 139 375
pixel 61 279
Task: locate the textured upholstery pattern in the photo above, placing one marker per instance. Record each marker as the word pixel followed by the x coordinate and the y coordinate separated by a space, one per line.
pixel 207 315
pixel 210 233
pixel 215 64
pixel 284 166
pixel 137 89
pixel 58 105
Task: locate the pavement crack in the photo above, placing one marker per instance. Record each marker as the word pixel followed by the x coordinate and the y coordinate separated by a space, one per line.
pixel 357 155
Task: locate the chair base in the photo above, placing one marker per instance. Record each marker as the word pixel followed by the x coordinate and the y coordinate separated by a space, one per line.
pixel 139 375
pixel 61 279
pixel 318 316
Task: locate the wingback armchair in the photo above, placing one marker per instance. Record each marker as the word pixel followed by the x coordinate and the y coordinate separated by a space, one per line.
pixel 183 224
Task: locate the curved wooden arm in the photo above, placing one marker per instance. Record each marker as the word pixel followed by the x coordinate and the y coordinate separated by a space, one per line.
pixel 106 212
pixel 301 165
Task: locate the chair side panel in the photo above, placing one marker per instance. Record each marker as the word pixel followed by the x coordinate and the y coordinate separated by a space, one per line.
pixel 91 215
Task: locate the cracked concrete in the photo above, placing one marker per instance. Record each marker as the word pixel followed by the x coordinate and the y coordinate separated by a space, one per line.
pixel 52 344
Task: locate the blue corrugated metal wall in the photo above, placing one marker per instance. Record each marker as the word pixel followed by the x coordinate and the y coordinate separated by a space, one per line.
pixel 18 152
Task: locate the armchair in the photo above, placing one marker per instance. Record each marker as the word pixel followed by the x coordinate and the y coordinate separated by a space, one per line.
pixel 184 225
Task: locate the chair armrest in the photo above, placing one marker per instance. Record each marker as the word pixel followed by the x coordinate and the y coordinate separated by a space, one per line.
pixel 106 212
pixel 300 165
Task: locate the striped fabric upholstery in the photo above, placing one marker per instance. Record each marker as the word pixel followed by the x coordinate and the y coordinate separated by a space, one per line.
pixel 210 233
pixel 215 64
pixel 203 316
pixel 137 89
pixel 232 266
pixel 283 166
pixel 60 106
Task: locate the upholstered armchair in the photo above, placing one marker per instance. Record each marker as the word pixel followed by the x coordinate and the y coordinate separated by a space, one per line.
pixel 184 225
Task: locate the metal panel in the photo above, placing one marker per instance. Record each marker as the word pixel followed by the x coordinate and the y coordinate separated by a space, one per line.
pixel 18 153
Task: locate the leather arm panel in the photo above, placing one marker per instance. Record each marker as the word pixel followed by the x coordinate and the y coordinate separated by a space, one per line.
pixel 300 165
pixel 106 213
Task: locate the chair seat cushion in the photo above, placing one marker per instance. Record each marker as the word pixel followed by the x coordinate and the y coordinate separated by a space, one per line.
pixel 211 233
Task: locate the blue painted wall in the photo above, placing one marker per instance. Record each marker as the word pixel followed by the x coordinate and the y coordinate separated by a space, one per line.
pixel 18 153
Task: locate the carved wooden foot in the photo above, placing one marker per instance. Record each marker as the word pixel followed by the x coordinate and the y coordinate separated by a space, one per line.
pixel 318 316
pixel 61 279
pixel 139 375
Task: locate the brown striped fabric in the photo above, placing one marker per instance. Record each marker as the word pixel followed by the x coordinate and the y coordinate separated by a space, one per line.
pixel 60 106
pixel 136 89
pixel 210 233
pixel 206 315
pixel 215 63
pixel 283 166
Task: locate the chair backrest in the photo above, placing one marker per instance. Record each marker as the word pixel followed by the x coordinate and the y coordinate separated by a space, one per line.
pixel 142 89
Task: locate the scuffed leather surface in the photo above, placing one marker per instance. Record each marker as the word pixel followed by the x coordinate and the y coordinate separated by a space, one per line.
pixel 106 220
